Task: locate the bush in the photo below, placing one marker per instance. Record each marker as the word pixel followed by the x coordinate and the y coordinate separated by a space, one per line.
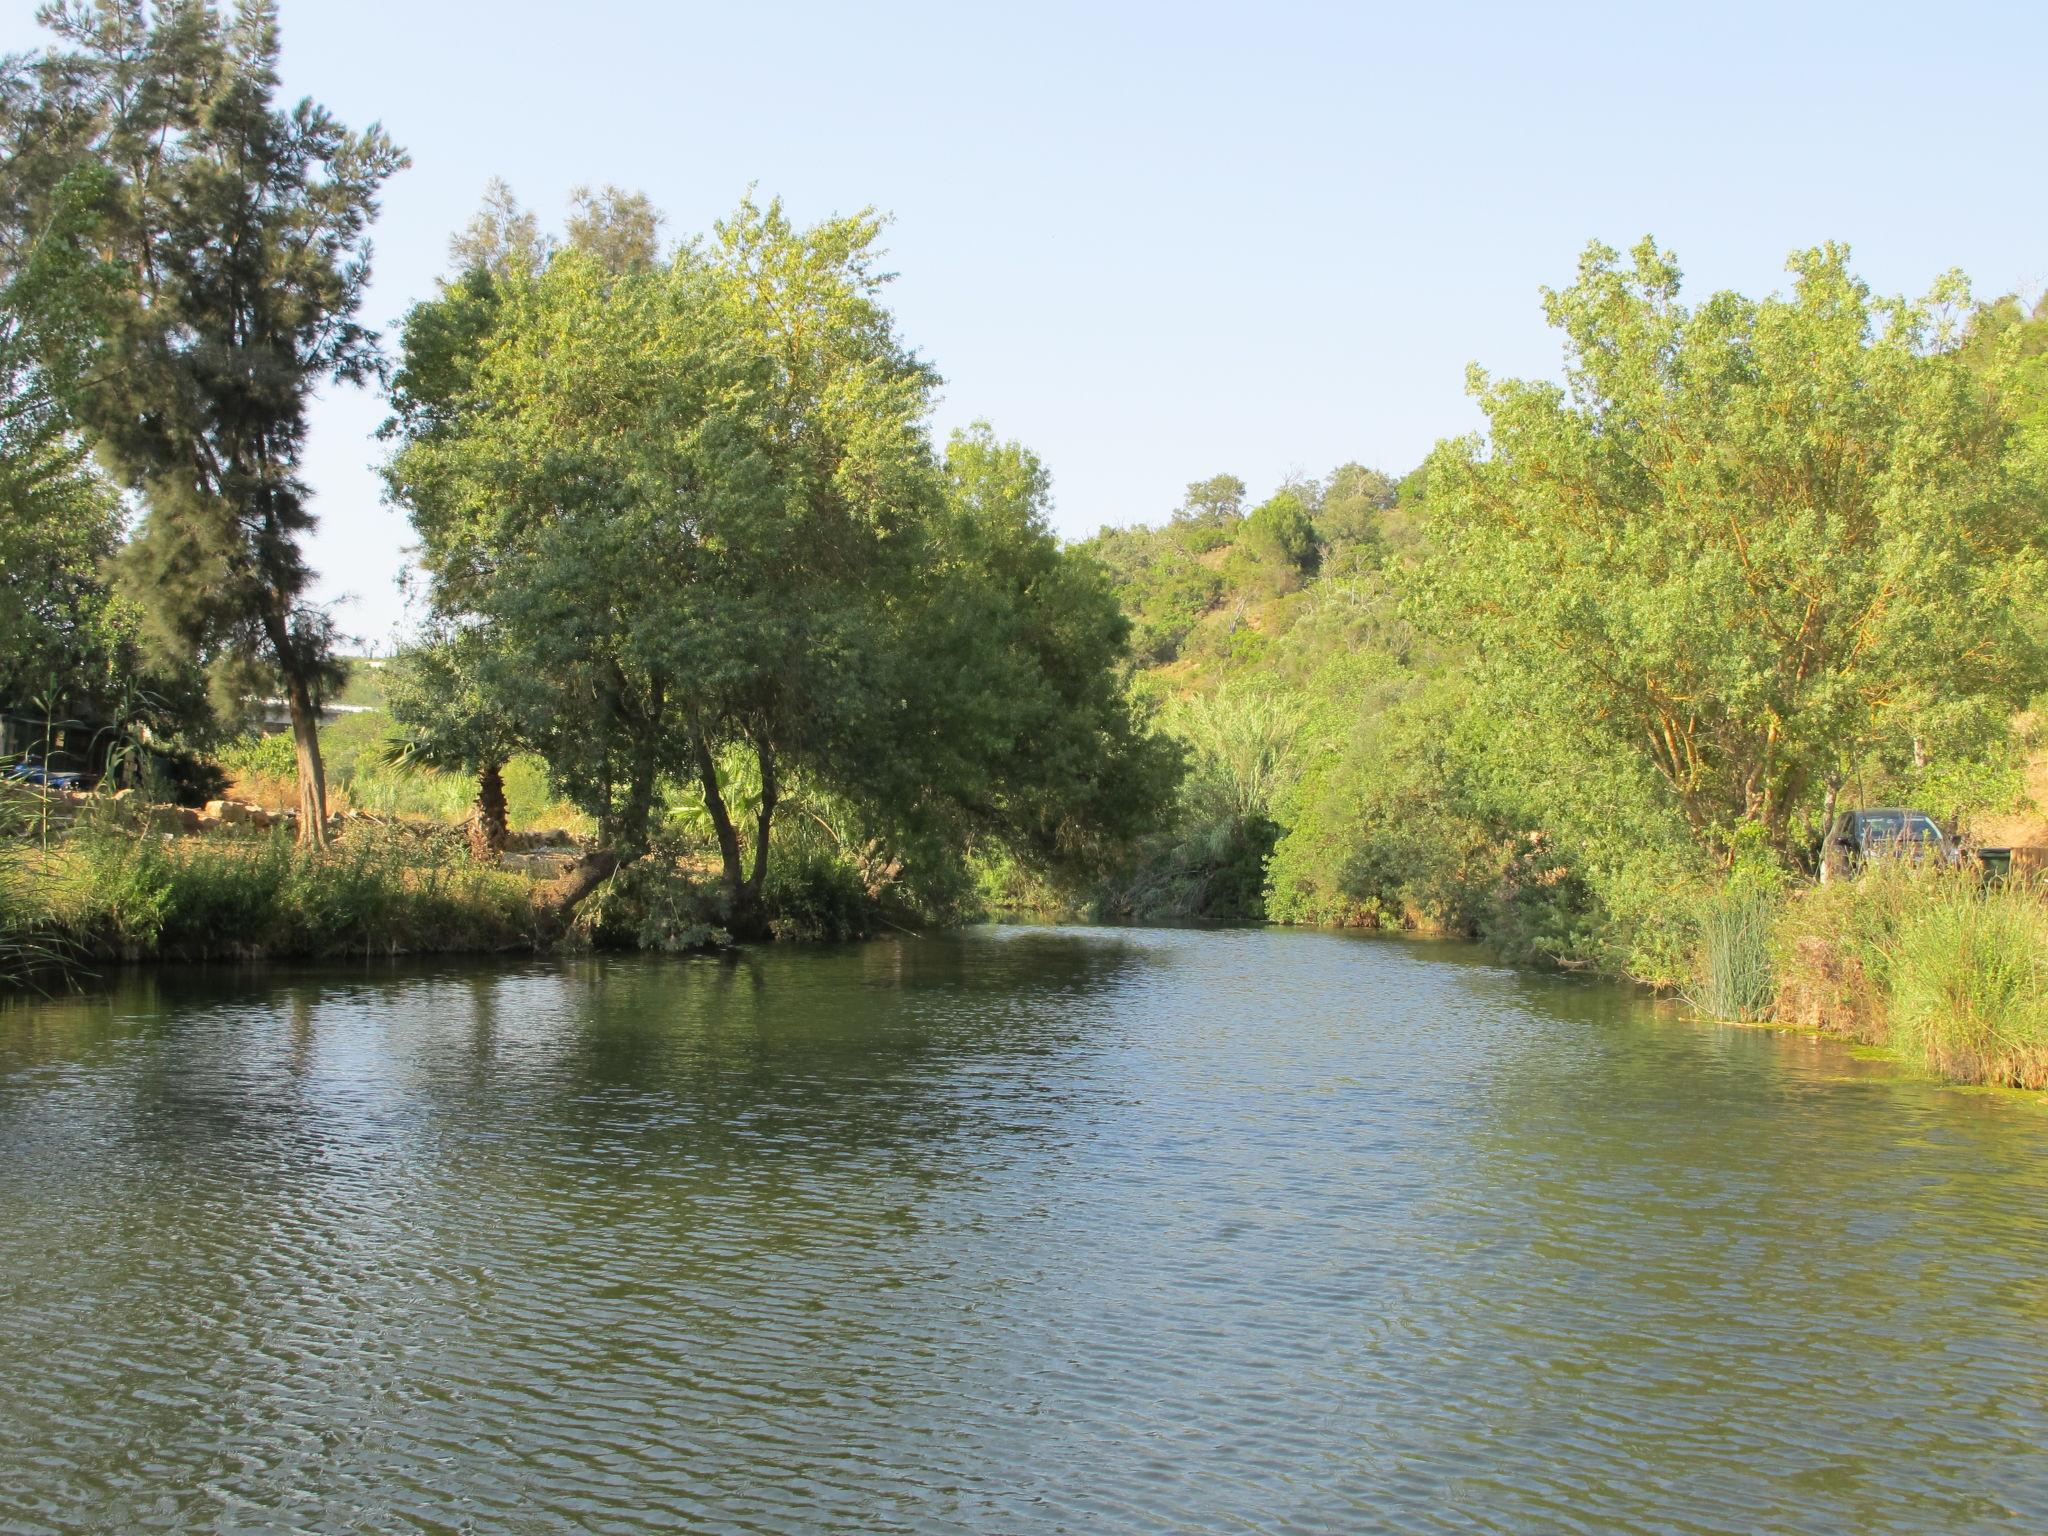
pixel 819 897
pixel 261 757
pixel 1211 872
pixel 656 903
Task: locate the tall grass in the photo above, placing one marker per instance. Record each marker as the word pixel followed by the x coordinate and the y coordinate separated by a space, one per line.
pixel 1968 978
pixel 29 948
pixel 1733 976
pixel 1949 972
pixel 109 894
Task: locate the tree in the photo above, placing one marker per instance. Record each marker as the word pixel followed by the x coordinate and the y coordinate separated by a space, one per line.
pixel 1016 726
pixel 240 232
pixel 1353 508
pixel 620 230
pixel 690 519
pixel 440 692
pixel 1745 541
pixel 503 241
pixel 563 496
pixel 1217 503
pixel 1281 534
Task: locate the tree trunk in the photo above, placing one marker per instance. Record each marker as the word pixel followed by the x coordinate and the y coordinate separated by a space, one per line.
pixel 757 883
pixel 312 775
pixel 555 903
pixel 721 817
pixel 630 832
pixel 487 824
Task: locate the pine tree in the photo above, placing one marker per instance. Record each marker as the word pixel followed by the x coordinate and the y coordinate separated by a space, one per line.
pixel 240 231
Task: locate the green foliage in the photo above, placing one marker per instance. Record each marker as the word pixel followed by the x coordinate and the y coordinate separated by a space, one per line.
pixel 1750 541
pixel 1210 865
pixel 1239 745
pixel 1281 536
pixel 1949 972
pixel 678 515
pixel 109 893
pixel 1215 505
pixel 1351 520
pixel 1209 872
pixel 1968 981
pixel 227 243
pixel 1160 584
pixel 1734 979
pixel 655 903
pixel 259 757
pixel 62 634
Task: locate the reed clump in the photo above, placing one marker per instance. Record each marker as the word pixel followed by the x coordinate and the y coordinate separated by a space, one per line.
pixel 1969 985
pixel 1732 976
pixel 1950 972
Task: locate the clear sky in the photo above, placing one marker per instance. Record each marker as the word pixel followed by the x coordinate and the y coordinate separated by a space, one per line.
pixel 1157 242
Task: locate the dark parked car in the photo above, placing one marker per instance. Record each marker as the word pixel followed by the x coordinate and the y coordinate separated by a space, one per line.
pixel 46 778
pixel 1857 837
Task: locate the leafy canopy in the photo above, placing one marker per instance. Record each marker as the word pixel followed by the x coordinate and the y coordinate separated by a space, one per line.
pixel 1743 541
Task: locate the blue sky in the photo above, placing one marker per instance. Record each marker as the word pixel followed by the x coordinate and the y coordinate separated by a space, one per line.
pixel 1159 242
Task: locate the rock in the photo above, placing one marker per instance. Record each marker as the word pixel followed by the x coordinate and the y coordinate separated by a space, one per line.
pixel 228 813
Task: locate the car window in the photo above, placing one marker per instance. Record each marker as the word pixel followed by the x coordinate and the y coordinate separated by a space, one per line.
pixel 1923 830
pixel 1883 826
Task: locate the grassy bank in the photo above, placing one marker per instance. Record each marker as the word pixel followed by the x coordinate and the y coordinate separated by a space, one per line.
pixel 102 895
pixel 107 891
pixel 1950 974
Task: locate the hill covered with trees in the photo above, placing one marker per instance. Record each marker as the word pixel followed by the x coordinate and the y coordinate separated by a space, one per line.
pixel 1750 560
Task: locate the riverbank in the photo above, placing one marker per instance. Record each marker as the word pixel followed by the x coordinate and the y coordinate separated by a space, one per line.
pixel 103 896
pixel 110 891
pixel 1943 972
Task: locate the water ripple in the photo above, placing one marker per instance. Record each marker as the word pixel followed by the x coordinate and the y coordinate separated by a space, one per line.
pixel 1027 1231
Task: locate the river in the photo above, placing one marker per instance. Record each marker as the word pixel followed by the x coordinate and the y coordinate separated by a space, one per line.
pixel 1016 1231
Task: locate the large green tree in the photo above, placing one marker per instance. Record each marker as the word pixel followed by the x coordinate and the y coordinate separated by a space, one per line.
pixel 672 498
pixel 239 229
pixel 1747 541
pixel 692 514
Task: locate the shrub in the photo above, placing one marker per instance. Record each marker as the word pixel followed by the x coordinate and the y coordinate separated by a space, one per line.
pixel 818 896
pixel 1831 953
pixel 1948 972
pixel 655 903
pixel 1212 872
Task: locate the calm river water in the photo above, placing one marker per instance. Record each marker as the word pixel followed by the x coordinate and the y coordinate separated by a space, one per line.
pixel 1021 1231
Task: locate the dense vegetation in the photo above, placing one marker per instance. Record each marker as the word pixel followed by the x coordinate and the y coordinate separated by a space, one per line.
pixel 1591 684
pixel 703 589
pixel 688 543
